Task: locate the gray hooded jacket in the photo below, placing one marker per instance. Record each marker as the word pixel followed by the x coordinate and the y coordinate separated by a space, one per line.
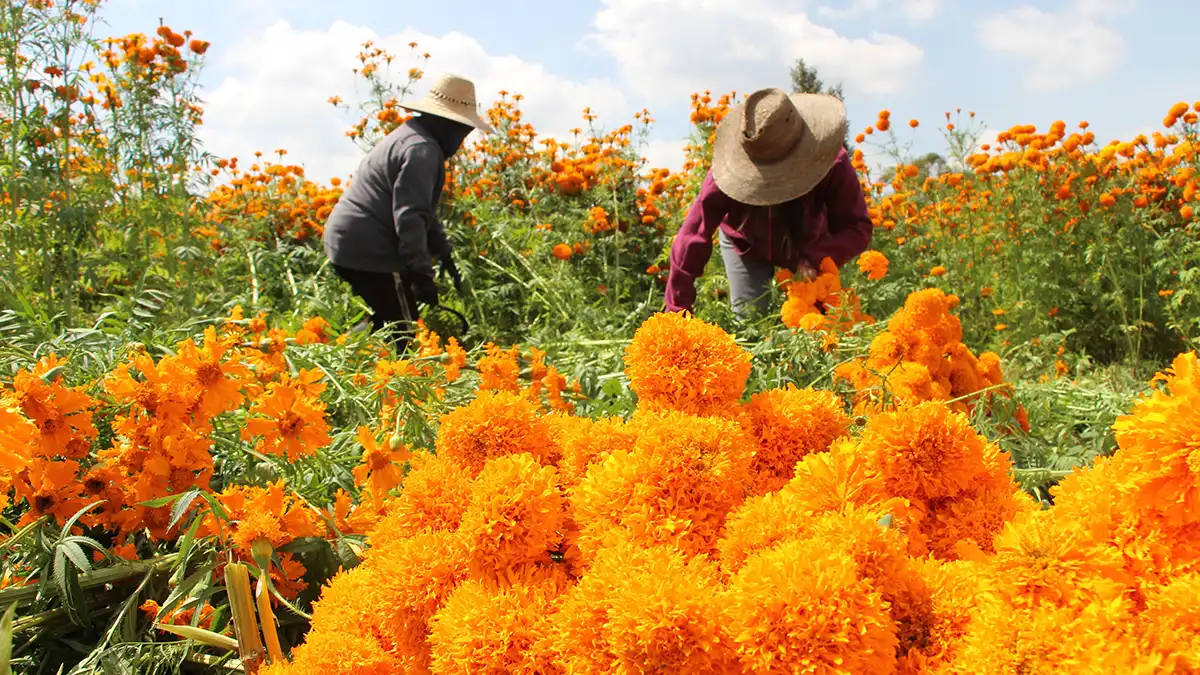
pixel 386 220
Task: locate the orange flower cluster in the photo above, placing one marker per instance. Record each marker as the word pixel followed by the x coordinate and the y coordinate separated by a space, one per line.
pixel 1102 579
pixel 821 304
pixel 705 534
pixel 1147 172
pixel 164 414
pixel 151 60
pixel 921 357
pixel 873 264
pixel 276 198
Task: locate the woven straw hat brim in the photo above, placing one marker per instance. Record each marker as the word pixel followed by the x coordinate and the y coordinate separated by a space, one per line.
pixel 432 106
pixel 760 184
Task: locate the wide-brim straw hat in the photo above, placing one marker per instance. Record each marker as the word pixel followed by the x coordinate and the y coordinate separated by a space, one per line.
pixel 775 146
pixel 452 97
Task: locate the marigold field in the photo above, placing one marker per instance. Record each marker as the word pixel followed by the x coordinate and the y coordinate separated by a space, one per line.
pixel 975 449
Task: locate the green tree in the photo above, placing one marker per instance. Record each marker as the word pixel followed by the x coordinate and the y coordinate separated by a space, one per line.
pixel 806 80
pixel 929 165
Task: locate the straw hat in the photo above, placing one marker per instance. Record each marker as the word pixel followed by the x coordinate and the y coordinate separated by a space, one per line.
pixel 452 97
pixel 775 147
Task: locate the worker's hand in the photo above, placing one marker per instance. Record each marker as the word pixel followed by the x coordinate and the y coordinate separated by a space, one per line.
pixel 424 289
pixel 804 272
pixel 448 267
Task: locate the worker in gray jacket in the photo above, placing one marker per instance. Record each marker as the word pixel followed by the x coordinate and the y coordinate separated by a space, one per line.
pixel 383 235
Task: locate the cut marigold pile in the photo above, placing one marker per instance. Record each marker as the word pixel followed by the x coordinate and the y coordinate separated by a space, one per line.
pixel 712 533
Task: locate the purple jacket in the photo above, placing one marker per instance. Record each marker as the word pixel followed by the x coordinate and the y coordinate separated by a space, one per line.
pixel 830 221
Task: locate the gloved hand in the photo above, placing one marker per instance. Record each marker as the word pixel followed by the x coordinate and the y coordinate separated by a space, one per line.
pixel 424 289
pixel 448 266
pixel 805 272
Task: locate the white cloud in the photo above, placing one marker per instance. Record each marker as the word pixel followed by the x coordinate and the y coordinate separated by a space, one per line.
pixel 667 49
pixel 279 80
pixel 916 11
pixel 1061 48
pixel 664 154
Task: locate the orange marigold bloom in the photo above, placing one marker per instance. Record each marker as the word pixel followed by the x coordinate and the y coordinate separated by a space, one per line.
pixel 435 497
pixel 644 609
pixel 676 486
pixel 494 626
pixel 287 421
pixel 499 370
pixel 515 517
pixel 873 264
pixel 62 414
pixel 455 359
pixel 269 513
pixel 18 442
pixel 802 607
pixel 937 271
pixel 215 380
pixel 584 441
pixel 495 424
pixel 381 467
pixel 1159 438
pixel 676 362
pixel 787 424
pixel 926 451
pixel 562 251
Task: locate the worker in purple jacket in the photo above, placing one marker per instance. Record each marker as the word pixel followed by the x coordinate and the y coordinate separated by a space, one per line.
pixel 782 191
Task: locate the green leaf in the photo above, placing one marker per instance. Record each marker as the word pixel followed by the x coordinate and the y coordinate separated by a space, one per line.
pixel 181 508
pixel 181 592
pixel 185 545
pixel 66 582
pixel 75 554
pixel 6 639
pixel 161 501
pixel 53 374
pixel 66 528
pixel 86 541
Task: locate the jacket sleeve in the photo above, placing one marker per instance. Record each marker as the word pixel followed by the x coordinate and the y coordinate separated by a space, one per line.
pixel 850 228
pixel 439 242
pixel 414 214
pixel 693 245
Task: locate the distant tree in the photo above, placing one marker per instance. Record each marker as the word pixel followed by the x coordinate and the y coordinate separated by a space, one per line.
pixel 929 165
pixel 806 80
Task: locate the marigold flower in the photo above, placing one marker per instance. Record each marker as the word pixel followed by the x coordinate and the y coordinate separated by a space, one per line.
pixel 515 517
pixel 62 414
pixel 18 440
pixel 494 626
pixel 287 422
pixel 926 451
pixel 802 607
pixel 499 370
pixel 676 486
pixel 494 425
pixel 584 441
pixel 643 609
pixel 434 498
pixel 562 251
pixel 677 362
pixel 788 424
pixel 381 467
pixel 1159 437
pixel 873 264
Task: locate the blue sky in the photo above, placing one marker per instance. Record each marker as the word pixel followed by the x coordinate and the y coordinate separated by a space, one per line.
pixel 1117 63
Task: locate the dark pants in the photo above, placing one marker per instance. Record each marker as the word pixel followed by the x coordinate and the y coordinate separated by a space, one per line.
pixel 391 301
